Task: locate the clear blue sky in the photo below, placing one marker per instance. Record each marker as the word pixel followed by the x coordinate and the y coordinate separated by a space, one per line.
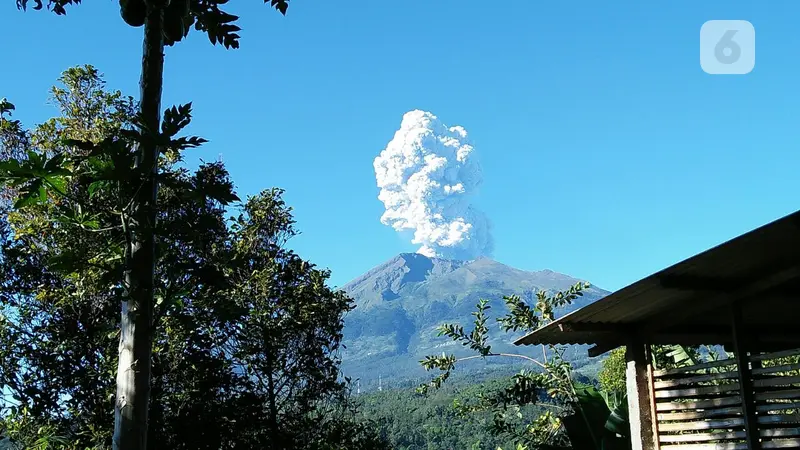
pixel 607 153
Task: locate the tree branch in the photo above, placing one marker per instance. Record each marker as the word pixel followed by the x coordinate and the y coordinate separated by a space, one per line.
pixel 509 355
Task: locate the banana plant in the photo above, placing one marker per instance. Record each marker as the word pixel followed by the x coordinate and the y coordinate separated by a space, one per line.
pixel 676 355
pixel 606 425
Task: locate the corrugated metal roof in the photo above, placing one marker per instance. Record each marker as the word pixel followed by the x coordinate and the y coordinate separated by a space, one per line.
pixel 752 265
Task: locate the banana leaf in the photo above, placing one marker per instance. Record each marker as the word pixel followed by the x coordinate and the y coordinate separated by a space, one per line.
pixel 595 426
pixel 618 421
pixel 681 355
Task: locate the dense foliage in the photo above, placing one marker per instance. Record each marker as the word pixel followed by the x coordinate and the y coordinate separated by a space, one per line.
pixel 612 375
pixel 164 22
pixel 570 414
pixel 205 16
pixel 245 332
pixel 413 421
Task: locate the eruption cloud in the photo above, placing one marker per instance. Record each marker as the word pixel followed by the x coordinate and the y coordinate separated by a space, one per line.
pixel 426 175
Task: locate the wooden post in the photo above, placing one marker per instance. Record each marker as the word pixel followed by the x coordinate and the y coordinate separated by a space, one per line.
pixel 639 396
pixel 745 380
pixel 653 410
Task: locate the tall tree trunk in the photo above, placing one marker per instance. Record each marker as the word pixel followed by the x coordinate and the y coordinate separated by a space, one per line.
pixel 272 422
pixel 136 327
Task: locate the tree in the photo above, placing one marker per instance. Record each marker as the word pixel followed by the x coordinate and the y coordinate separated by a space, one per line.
pixel 60 284
pixel 612 374
pixel 13 142
pixel 287 342
pixel 570 413
pixel 63 268
pixel 164 22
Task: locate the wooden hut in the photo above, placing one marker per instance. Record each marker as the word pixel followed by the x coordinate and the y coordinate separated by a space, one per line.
pixel 743 294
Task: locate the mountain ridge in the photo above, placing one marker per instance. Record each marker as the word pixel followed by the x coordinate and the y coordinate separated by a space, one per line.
pixel 401 302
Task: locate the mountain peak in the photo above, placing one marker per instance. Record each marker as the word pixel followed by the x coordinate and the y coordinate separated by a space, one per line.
pixel 402 301
pixel 417 267
pixel 415 272
pixel 389 278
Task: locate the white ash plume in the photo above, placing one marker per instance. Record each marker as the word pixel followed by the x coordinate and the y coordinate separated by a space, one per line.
pixel 426 175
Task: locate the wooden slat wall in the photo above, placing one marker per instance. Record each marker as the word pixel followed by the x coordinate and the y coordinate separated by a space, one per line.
pixel 700 407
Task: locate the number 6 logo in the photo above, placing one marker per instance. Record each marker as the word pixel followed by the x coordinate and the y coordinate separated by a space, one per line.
pixel 727 51
pixel 727 47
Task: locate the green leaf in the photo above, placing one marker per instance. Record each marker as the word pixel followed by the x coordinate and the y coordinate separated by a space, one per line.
pixel 96 187
pixel 83 145
pixel 35 160
pixel 11 166
pixel 58 183
pixel 588 425
pixel 6 106
pixel 31 195
pixel 55 162
pixel 618 421
pixel 42 194
pixel 681 356
pixel 66 261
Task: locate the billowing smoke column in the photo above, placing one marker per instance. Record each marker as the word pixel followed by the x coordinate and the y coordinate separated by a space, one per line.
pixel 426 175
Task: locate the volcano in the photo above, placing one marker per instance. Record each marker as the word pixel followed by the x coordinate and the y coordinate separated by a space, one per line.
pixel 400 304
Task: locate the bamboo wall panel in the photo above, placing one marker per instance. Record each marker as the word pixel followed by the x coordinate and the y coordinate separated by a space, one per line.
pixel 700 407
